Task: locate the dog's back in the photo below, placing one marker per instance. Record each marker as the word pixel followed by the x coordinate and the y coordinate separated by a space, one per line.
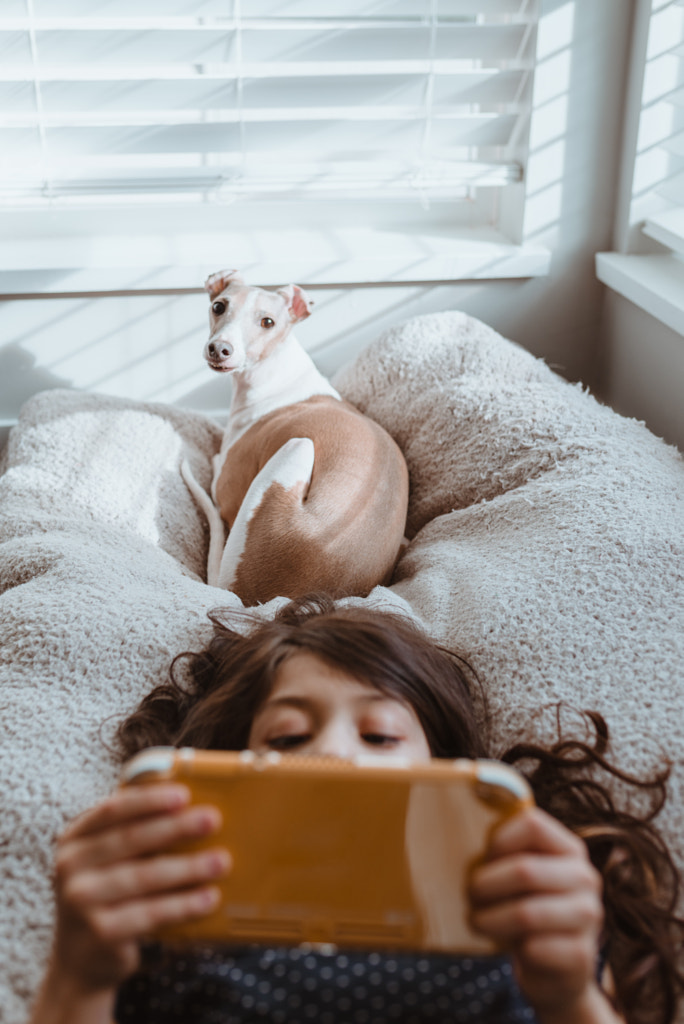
pixel 342 531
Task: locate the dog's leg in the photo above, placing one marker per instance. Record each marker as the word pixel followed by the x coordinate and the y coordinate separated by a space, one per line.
pixel 217 530
pixel 291 467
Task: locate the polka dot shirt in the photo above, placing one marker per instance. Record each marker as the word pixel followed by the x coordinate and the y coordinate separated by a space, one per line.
pixel 295 986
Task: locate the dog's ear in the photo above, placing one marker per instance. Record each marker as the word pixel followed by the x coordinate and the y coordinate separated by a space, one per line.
pixel 298 302
pixel 216 283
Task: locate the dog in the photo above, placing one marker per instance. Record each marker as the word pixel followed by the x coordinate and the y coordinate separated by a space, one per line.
pixel 314 493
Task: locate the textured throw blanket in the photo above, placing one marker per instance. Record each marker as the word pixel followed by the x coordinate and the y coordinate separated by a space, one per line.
pixel 547 545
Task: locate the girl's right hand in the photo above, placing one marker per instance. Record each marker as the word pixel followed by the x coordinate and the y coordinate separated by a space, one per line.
pixel 115 883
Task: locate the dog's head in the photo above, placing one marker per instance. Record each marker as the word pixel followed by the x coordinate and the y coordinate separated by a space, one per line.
pixel 246 323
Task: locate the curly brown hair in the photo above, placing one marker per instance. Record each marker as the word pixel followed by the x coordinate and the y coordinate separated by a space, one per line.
pixel 213 703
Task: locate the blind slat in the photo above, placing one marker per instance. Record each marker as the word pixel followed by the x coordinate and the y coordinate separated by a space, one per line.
pixel 462 123
pixel 263 48
pixel 671 189
pixel 88 72
pixel 674 145
pixel 667 228
pixel 390 183
pixel 482 89
pixel 285 137
pixel 226 22
pixel 89 9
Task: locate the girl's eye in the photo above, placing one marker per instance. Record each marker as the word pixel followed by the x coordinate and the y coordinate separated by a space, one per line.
pixel 378 739
pixel 218 308
pixel 267 322
pixel 287 742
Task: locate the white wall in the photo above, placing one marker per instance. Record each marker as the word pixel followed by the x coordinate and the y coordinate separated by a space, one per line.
pixel 644 368
pixel 150 346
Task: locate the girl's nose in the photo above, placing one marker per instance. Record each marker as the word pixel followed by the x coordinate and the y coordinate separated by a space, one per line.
pixel 334 740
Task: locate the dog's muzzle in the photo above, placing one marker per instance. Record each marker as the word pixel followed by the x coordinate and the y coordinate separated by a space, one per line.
pixel 218 354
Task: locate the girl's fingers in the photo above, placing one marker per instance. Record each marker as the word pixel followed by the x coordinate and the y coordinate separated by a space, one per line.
pixel 136 919
pixel 526 873
pixel 134 837
pixel 537 893
pixel 126 804
pixel 534 830
pixel 133 880
pixel 518 919
pixel 555 952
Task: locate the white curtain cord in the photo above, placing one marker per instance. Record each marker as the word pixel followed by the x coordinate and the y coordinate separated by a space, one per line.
pixel 45 163
pixel 424 153
pixel 240 85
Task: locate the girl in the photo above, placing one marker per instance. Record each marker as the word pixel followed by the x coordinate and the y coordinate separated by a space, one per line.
pixel 588 922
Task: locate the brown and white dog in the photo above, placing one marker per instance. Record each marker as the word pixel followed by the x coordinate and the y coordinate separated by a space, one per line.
pixel 314 493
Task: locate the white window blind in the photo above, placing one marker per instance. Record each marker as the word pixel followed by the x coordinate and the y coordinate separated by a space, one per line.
pixel 653 174
pixel 159 101
pixel 658 190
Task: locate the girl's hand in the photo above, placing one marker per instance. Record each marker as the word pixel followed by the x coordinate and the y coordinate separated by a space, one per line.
pixel 115 884
pixel 538 895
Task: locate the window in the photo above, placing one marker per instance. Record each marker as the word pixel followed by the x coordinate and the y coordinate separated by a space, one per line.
pixel 651 206
pixel 374 132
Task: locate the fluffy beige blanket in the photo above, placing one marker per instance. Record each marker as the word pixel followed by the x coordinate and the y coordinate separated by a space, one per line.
pixel 546 545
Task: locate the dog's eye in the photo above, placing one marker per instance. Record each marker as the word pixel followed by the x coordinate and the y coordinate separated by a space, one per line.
pixel 267 322
pixel 218 308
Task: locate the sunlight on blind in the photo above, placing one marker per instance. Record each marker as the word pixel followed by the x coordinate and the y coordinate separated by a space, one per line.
pixel 658 187
pixel 647 276
pixel 158 100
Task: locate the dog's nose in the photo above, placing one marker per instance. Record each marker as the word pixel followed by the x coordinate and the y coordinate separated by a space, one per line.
pixel 219 350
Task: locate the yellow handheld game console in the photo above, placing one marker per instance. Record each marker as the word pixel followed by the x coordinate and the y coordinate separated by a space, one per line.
pixel 364 854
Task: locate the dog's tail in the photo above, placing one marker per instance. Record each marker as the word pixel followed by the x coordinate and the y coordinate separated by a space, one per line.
pixel 217 530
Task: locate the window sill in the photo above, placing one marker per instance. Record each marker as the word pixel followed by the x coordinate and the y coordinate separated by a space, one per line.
pixel 316 258
pixel 655 283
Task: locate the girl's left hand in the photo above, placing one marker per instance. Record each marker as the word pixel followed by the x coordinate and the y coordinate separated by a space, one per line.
pixel 538 895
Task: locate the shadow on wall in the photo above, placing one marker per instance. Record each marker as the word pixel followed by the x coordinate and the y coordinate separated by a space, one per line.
pixel 147 348
pixel 21 377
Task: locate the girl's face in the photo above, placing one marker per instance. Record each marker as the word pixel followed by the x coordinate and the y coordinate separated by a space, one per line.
pixel 321 711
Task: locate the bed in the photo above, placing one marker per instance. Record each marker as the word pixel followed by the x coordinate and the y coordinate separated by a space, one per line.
pixel 546 544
